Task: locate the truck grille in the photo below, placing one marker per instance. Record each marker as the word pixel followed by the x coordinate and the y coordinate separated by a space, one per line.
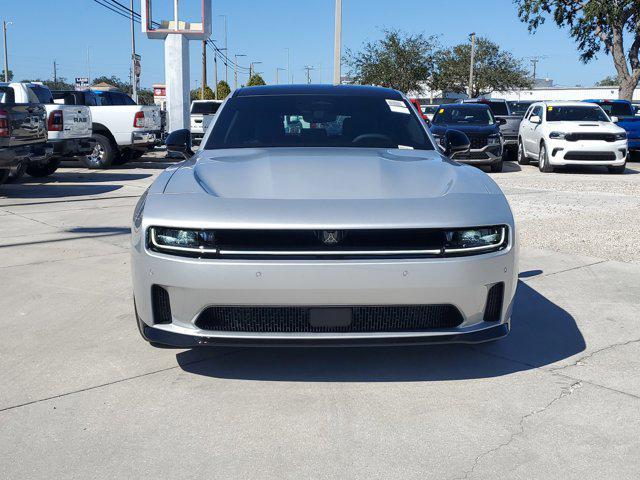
pixel 477 142
pixel 391 318
pixel 605 137
pixel 594 156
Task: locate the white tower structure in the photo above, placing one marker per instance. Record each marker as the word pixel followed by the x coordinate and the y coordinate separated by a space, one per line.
pixel 176 34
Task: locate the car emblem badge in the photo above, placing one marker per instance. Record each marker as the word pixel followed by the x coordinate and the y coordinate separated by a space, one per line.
pixel 330 237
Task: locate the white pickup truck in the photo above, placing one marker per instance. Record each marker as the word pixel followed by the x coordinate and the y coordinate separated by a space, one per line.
pixel 122 129
pixel 68 128
pixel 202 113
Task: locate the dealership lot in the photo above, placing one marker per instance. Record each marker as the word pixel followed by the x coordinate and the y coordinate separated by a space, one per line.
pixel 83 396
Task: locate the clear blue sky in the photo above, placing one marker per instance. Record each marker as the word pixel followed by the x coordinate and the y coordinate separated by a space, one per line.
pixel 44 30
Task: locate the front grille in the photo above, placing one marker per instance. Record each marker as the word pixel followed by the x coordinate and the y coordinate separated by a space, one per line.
pixel 160 304
pixel 471 156
pixel 493 308
pixel 392 318
pixel 594 156
pixel 605 137
pixel 477 143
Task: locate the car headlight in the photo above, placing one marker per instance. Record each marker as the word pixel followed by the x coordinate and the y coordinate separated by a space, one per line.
pixel 557 135
pixel 621 136
pixel 475 239
pixel 181 240
pixel 138 211
pixel 494 140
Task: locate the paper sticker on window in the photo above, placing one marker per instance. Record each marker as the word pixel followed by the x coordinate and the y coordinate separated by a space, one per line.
pixel 397 106
pixel 549 109
pixel 441 110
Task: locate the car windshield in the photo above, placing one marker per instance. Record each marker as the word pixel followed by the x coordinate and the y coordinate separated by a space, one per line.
pixel 498 108
pixel 463 115
pixel 431 109
pixel 519 108
pixel 259 121
pixel 617 109
pixel 575 114
pixel 205 108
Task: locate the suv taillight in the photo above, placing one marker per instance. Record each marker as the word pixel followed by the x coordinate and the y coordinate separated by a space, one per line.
pixel 54 124
pixel 4 124
pixel 138 120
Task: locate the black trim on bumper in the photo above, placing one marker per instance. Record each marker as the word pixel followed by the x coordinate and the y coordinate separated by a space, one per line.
pixel 177 340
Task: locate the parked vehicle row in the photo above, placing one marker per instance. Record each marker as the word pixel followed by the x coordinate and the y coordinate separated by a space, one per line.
pixel 201 114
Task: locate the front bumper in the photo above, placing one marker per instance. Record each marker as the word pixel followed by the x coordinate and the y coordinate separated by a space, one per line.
pixel 481 156
pixel 73 147
pixel 195 284
pixel 587 152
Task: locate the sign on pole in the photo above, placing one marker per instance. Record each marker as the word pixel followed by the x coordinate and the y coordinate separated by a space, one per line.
pixel 82 83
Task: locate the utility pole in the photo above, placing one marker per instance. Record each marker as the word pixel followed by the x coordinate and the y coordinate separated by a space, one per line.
pixel 337 45
pixel 278 70
pixel 289 77
pixel 252 69
pixel 534 64
pixel 134 76
pixel 88 66
pixel 6 54
pixel 308 69
pixel 204 67
pixel 226 50
pixel 55 73
pixel 215 72
pixel 471 63
pixel 235 71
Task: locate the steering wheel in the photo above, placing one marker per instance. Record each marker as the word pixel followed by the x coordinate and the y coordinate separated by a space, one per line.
pixel 371 136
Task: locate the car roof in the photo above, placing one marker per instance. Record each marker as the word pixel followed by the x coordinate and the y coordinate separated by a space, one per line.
pixel 560 103
pixel 476 105
pixel 356 90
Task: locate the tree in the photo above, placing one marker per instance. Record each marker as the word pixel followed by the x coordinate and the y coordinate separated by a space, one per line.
pixel 197 94
pixel 596 26
pixel 223 90
pixel 401 61
pixel 494 69
pixel 115 81
pixel 10 76
pixel 255 80
pixel 608 81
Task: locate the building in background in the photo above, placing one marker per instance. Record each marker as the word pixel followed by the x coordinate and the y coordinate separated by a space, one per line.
pixel 160 95
pixel 563 93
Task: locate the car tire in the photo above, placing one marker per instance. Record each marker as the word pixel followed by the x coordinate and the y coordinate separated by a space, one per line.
pixel 522 157
pixel 103 153
pixel 618 169
pixel 543 160
pixel 43 169
pixel 497 166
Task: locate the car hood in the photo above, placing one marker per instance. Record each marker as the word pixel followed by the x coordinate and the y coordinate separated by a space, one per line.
pixel 322 188
pixel 468 129
pixel 326 173
pixel 570 127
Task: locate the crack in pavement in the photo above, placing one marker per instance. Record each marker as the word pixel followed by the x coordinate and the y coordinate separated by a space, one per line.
pixel 115 382
pixel 564 392
pixel 586 357
pixel 544 275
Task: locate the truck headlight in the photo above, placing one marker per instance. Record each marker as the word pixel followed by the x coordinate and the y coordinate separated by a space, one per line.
pixel 494 140
pixel 181 240
pixel 475 239
pixel 621 136
pixel 557 135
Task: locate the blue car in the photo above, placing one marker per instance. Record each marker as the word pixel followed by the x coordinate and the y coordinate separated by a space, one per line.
pixel 478 123
pixel 625 113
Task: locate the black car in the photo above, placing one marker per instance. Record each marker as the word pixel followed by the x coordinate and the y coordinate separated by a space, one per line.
pixel 479 124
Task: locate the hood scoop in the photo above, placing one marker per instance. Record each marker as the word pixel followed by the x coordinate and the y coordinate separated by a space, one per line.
pixel 589 125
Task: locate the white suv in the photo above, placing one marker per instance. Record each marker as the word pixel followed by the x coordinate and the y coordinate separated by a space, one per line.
pixel 571 133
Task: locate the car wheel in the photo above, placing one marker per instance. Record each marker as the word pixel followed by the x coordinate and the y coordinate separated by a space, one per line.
pixel 103 154
pixel 497 166
pixel 522 158
pixel 43 169
pixel 618 169
pixel 543 161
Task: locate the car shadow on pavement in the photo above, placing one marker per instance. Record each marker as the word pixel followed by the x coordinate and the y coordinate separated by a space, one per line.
pixel 542 333
pixel 49 190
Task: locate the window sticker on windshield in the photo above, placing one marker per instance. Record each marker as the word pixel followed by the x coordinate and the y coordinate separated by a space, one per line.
pixel 441 110
pixel 405 147
pixel 397 106
pixel 549 109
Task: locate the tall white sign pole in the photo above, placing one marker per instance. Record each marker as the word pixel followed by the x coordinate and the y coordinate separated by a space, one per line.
pixel 337 45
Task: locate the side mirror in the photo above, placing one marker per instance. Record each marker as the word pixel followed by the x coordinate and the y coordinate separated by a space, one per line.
pixel 615 119
pixel 455 141
pixel 501 121
pixel 535 119
pixel 179 141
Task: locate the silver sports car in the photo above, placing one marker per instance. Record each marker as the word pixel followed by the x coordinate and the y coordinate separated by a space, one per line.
pixel 322 215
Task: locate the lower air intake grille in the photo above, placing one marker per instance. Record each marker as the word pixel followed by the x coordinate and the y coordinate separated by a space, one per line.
pixel 396 318
pixel 161 305
pixel 493 309
pixel 595 156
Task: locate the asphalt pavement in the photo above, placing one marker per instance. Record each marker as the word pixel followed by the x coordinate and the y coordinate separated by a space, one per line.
pixel 82 396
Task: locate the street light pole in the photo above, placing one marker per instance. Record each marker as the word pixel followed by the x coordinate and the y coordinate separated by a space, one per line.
pixel 134 76
pixel 471 62
pixel 226 49
pixel 235 71
pixel 215 73
pixel 251 69
pixel 289 77
pixel 337 45
pixel 278 70
pixel 6 54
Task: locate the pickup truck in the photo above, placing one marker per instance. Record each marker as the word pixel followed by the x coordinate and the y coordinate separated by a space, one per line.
pixel 23 133
pixel 202 113
pixel 68 127
pixel 122 129
pixel 510 125
pixel 623 114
